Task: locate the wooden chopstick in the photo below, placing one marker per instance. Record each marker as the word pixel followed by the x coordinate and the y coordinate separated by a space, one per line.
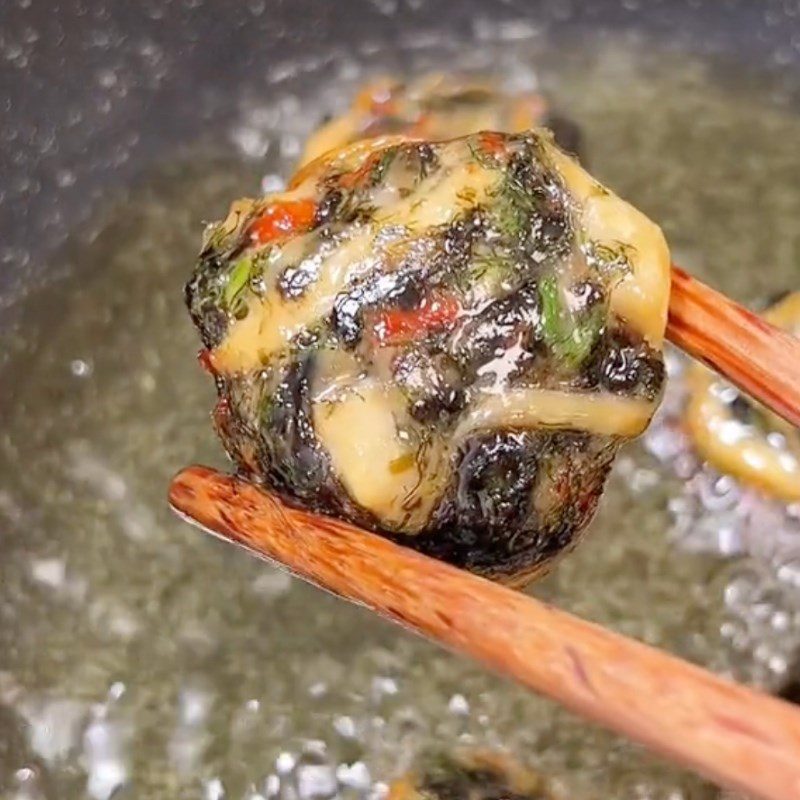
pixel 736 736
pixel 759 358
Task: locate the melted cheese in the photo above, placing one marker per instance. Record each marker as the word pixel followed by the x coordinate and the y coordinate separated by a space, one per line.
pixel 272 321
pixel 641 297
pixel 376 454
pixel 437 201
pixel 544 408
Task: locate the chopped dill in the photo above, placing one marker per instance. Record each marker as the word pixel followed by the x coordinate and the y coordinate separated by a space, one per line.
pixel 612 259
pixel 267 406
pixel 488 268
pixel 570 337
pixel 482 157
pixel 382 165
pixel 491 262
pixel 514 207
pixel 237 280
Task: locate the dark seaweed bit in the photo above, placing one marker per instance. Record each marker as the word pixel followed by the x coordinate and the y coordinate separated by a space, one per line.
pixel 347 319
pixel 588 294
pixel 235 430
pixel 291 460
pixel 340 206
pixel 496 474
pixel 427 160
pixel 401 289
pixel 439 407
pixel 539 202
pixel 458 240
pixel 215 293
pixel 407 293
pixel 202 297
pixel 498 327
pixel 620 370
pixel 209 318
pixel 294 280
pixel 291 456
pixel 432 381
pixel 328 207
pixel 531 547
pixel 490 545
pixel 621 362
pixel 652 375
pixel 530 208
pixel 227 244
pixel 268 431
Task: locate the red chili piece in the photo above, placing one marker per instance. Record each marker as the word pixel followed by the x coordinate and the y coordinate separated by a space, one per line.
pixel 282 219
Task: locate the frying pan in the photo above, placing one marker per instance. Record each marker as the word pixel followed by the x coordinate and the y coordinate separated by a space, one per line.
pixel 94 93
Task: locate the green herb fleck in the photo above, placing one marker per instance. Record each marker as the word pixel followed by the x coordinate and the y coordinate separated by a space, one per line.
pixel 490 268
pixel 381 166
pixel 514 208
pixel 237 280
pixel 570 337
pixel 486 160
pixel 267 406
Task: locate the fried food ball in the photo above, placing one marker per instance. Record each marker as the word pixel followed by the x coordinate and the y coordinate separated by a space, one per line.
pixel 444 342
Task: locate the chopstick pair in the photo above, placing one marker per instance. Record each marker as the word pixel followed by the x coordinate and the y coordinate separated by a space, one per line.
pixel 741 738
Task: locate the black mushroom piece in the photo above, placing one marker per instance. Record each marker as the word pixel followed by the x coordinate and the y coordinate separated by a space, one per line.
pixel 469 345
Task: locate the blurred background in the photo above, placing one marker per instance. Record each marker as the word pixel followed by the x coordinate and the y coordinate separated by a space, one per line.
pixel 139 658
